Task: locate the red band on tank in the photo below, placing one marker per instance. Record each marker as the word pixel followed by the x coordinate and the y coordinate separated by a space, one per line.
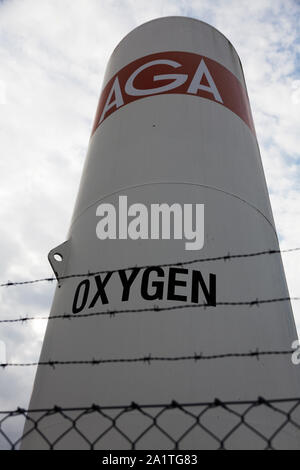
pixel 184 68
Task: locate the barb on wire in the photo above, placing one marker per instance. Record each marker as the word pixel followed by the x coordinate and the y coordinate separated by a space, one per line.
pixel 235 418
pixel 178 263
pixel 149 359
pixel 156 308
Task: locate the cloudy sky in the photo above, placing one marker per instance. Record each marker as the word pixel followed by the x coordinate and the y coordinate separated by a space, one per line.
pixel 52 60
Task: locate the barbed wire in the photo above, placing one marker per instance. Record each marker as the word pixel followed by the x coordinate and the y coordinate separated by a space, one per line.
pixel 178 263
pixel 234 419
pixel 149 358
pixel 156 308
pixel 221 441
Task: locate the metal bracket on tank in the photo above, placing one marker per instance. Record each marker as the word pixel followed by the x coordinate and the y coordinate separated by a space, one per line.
pixel 58 258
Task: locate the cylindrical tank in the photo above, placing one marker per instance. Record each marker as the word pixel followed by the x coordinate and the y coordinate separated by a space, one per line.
pixel 173 126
